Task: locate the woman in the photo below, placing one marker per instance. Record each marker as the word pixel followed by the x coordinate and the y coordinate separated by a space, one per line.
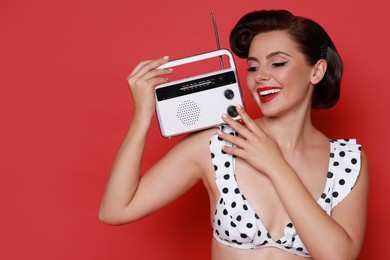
pixel 276 184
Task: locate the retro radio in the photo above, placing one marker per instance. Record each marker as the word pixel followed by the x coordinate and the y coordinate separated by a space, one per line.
pixel 196 103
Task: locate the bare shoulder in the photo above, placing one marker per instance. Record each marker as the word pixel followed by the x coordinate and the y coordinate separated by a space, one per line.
pixel 351 213
pixel 363 180
pixel 364 163
pixel 195 146
pixel 192 153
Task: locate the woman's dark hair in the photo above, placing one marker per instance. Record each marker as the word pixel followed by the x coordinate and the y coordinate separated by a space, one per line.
pixel 313 41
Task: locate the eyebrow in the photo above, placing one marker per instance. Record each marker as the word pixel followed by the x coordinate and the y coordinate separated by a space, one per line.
pixel 270 55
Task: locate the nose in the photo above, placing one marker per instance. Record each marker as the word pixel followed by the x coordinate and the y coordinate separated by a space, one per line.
pixel 262 76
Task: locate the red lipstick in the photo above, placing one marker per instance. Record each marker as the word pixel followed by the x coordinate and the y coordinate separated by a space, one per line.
pixel 268 93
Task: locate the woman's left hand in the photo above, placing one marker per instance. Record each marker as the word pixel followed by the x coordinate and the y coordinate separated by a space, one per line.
pixel 253 144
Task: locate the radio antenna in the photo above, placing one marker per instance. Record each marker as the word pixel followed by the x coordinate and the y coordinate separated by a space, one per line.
pixel 217 37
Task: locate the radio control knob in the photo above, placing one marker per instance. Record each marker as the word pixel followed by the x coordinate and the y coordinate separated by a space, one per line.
pixel 232 111
pixel 229 94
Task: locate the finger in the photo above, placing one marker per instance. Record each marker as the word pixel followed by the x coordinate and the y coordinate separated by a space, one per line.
pixel 157 81
pixel 137 68
pixel 238 152
pixel 241 129
pixel 239 142
pixel 151 78
pixel 157 73
pixel 145 66
pixel 239 145
pixel 249 122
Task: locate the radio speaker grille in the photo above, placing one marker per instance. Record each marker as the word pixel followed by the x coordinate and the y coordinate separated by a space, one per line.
pixel 188 112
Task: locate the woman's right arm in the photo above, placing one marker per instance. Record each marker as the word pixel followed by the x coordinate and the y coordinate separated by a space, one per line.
pixel 128 196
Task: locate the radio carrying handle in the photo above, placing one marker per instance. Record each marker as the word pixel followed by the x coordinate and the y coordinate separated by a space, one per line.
pixel 199 57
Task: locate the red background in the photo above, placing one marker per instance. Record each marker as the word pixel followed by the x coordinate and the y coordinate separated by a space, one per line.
pixel 65 107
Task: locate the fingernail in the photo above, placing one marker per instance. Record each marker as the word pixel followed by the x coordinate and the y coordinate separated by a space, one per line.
pixel 219 132
pixel 166 57
pixel 224 116
pixel 239 106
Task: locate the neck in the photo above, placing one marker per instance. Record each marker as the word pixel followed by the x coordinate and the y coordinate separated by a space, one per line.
pixel 290 131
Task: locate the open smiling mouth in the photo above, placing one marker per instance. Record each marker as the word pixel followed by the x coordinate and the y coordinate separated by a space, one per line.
pixel 268 93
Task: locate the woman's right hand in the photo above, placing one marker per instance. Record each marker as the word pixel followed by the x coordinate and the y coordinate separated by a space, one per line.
pixel 142 82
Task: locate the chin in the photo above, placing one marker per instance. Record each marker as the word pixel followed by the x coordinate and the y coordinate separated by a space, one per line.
pixel 271 112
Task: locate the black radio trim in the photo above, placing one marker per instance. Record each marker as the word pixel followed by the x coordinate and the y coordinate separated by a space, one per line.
pixel 196 85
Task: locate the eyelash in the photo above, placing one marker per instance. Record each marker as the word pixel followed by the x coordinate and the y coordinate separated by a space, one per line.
pixel 275 65
pixel 279 64
pixel 252 69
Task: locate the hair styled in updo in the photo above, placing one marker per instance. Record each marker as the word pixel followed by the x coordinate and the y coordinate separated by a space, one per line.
pixel 313 41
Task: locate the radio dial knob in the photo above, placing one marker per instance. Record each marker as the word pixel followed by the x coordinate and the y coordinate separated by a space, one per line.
pixel 229 94
pixel 232 111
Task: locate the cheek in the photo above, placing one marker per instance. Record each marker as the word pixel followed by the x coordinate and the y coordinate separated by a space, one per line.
pixel 290 77
pixel 250 82
pixel 251 86
pixel 283 77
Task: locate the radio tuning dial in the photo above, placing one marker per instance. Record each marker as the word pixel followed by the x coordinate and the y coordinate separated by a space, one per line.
pixel 229 94
pixel 232 111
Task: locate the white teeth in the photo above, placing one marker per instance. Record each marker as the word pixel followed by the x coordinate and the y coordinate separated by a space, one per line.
pixel 269 91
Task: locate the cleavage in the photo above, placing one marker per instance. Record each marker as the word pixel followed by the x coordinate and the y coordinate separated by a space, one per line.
pixel 263 198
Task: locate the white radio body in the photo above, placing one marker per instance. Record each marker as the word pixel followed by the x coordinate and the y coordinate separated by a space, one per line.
pixel 198 102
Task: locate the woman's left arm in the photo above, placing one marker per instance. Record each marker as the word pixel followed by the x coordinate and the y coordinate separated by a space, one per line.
pixel 337 237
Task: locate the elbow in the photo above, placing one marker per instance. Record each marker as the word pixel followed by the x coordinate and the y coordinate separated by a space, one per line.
pixel 107 220
pixel 115 218
pixel 110 218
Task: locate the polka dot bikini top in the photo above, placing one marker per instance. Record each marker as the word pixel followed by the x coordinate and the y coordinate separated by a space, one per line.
pixel 236 224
